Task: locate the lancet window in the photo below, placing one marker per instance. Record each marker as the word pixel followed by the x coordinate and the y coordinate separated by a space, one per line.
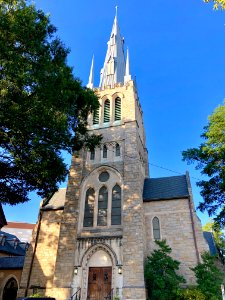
pixel 117 115
pixel 96 117
pixel 117 148
pixel 116 205
pixel 89 208
pixel 104 152
pixel 102 206
pixel 92 154
pixel 106 111
pixel 156 228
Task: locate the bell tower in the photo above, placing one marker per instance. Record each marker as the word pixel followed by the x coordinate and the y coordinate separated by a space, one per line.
pixel 106 185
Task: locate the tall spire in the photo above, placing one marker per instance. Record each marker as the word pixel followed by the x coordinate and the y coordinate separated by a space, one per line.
pixel 90 84
pixel 127 76
pixel 113 70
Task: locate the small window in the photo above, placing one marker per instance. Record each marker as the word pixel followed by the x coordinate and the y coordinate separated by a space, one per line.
pixel 96 116
pixel 156 228
pixel 116 206
pixel 106 111
pixel 89 208
pixel 117 150
pixel 117 116
pixel 104 176
pixel 92 155
pixel 102 206
pixel 104 151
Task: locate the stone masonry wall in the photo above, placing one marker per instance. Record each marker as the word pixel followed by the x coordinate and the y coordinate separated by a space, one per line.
pixel 43 266
pixel 176 228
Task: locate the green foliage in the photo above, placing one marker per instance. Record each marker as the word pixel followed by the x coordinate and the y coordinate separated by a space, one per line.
pixel 160 273
pixel 209 278
pixel 44 108
pixel 190 294
pixel 36 295
pixel 218 4
pixel 210 159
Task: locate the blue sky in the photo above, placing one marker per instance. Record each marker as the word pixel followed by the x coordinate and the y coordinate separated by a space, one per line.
pixel 177 55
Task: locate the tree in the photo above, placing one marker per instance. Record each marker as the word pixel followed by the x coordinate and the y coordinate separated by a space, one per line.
pixel 209 278
pixel 160 273
pixel 44 108
pixel 210 159
pixel 217 3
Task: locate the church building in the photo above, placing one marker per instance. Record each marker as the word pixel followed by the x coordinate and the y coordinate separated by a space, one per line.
pixel 92 238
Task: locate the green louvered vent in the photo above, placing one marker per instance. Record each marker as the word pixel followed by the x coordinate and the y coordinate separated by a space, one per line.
pixel 117 109
pixel 96 117
pixel 107 111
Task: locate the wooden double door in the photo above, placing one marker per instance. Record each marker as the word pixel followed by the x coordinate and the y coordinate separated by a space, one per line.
pixel 99 283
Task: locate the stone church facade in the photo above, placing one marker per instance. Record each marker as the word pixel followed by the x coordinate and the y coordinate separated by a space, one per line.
pixel 93 237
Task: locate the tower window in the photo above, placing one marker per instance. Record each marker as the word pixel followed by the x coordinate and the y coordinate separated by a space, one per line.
pixel 104 151
pixel 117 116
pixel 116 205
pixel 96 116
pixel 117 150
pixel 92 155
pixel 89 208
pixel 106 111
pixel 102 206
pixel 156 228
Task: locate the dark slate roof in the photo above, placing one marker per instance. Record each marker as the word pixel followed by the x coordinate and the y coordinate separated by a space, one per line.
pixel 15 262
pixel 8 245
pixel 56 202
pixel 210 241
pixel 163 188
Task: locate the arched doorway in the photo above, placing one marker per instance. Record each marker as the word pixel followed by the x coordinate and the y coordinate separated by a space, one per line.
pixel 99 276
pixel 10 290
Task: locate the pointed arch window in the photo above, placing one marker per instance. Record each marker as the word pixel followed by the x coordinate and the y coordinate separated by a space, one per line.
pixel 89 208
pixel 117 149
pixel 92 154
pixel 102 206
pixel 116 205
pixel 104 152
pixel 96 116
pixel 106 111
pixel 156 228
pixel 117 116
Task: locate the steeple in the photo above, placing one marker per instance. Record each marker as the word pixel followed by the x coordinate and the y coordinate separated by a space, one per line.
pixel 113 70
pixel 90 84
pixel 127 76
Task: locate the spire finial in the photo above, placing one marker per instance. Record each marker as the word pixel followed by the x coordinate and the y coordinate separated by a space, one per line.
pixel 90 84
pixel 116 10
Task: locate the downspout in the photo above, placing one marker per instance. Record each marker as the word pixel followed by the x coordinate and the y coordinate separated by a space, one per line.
pixel 190 203
pixel 34 252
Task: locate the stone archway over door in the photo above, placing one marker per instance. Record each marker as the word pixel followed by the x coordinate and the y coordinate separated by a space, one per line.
pixel 10 290
pixel 99 283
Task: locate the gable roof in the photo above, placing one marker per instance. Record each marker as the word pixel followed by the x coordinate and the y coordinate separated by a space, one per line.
pixel 211 242
pixel 56 202
pixel 165 188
